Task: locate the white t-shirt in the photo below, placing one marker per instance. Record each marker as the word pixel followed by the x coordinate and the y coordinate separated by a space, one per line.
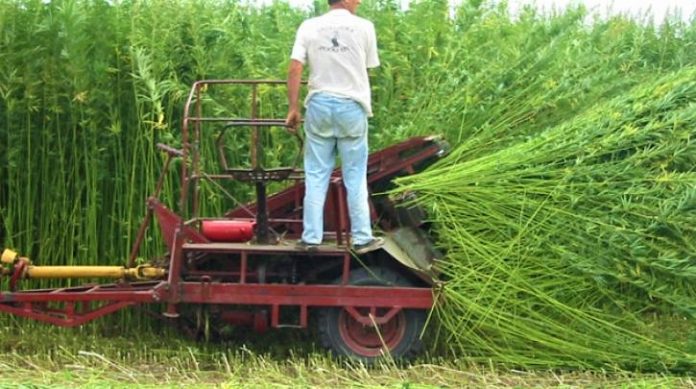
pixel 339 48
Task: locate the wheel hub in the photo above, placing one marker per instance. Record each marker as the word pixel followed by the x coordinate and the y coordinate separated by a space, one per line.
pixel 368 341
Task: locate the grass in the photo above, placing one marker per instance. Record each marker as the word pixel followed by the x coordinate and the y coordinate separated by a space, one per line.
pixel 87 89
pixel 557 243
pixel 48 356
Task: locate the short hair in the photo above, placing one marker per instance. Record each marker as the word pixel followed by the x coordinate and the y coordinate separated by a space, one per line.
pixel 332 2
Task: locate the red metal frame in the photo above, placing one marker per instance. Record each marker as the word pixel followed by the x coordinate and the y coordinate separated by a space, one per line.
pixel 78 305
pixel 34 304
pixel 70 307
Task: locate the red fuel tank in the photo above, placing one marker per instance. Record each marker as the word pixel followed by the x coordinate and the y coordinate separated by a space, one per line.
pixel 228 230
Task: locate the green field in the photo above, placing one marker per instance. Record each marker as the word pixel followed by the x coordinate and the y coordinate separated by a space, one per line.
pixel 565 208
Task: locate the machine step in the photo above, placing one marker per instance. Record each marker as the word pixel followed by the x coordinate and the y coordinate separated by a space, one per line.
pixel 252 248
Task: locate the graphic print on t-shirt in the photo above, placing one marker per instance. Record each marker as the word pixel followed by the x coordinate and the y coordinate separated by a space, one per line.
pixel 332 36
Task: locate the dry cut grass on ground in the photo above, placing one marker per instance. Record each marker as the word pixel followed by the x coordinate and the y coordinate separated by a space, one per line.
pixel 52 357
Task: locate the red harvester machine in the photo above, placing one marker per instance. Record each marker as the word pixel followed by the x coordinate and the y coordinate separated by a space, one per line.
pixel 244 268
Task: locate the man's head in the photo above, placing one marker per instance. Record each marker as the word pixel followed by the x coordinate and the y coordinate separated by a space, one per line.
pixel 350 5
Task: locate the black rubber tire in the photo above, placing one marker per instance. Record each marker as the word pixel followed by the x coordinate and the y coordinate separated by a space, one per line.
pixel 410 321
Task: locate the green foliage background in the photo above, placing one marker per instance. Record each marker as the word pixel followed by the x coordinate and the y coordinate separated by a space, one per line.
pixel 87 88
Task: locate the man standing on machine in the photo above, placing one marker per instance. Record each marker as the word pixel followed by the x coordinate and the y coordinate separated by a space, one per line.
pixel 338 47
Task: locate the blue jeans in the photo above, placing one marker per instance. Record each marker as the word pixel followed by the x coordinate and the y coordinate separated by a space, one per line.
pixel 334 124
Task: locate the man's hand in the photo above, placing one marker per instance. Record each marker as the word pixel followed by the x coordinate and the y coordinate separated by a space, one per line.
pixel 292 121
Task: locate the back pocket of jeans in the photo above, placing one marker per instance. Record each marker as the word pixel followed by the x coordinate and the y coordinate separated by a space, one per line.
pixel 351 121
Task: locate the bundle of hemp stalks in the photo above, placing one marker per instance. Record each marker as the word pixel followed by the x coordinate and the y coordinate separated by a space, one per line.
pixel 567 248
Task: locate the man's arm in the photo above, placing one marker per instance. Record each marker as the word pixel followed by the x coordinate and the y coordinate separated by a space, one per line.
pixel 292 121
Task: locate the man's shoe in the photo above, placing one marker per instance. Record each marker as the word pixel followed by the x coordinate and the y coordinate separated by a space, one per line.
pixel 302 245
pixel 372 245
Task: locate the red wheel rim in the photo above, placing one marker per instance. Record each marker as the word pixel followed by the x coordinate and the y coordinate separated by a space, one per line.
pixel 365 340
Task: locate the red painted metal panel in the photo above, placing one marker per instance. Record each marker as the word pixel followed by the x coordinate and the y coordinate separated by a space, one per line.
pixel 309 295
pixel 246 294
pixel 169 222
